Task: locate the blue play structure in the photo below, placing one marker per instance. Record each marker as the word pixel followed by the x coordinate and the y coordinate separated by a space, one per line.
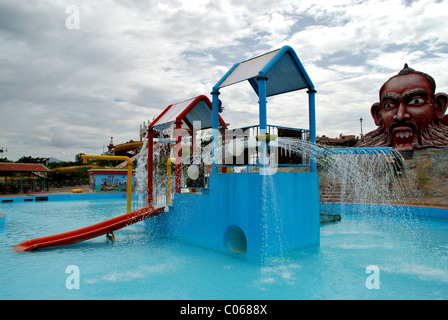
pixel 260 211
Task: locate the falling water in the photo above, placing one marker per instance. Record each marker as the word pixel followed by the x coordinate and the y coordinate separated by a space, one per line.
pixel 366 177
pixel 159 172
pixel 269 193
pixel 141 176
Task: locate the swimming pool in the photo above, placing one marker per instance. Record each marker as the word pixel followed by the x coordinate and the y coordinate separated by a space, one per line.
pixel 410 254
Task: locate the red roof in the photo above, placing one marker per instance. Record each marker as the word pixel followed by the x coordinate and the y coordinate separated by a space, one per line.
pixel 194 109
pixel 23 167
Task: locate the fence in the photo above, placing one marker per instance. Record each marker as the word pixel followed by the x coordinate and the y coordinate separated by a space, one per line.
pixel 37 185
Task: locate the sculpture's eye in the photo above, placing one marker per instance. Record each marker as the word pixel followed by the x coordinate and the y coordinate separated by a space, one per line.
pixel 389 105
pixel 416 101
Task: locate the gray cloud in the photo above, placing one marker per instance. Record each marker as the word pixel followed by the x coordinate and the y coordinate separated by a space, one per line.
pixel 65 91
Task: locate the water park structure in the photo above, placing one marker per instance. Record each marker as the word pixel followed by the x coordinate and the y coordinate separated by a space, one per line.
pixel 257 211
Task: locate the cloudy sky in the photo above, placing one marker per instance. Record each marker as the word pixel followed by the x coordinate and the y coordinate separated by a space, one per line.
pixel 67 85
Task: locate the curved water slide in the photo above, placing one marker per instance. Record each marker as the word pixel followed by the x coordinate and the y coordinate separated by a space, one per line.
pixel 95 230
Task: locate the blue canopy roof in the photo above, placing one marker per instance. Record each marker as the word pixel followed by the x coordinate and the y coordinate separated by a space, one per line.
pixel 282 68
pixel 272 73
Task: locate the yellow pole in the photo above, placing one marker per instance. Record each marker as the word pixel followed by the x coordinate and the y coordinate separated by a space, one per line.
pixel 168 174
pixel 128 184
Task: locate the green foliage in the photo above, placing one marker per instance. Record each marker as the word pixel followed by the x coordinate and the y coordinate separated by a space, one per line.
pixel 29 159
pixel 351 142
pixel 73 173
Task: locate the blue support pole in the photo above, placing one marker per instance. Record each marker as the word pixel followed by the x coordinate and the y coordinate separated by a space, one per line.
pixel 262 103
pixel 215 129
pixel 312 119
pixel 263 120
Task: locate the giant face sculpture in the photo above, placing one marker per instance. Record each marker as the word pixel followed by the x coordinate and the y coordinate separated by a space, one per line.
pixel 408 114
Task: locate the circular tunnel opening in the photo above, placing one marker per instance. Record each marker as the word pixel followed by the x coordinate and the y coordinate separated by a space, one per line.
pixel 236 240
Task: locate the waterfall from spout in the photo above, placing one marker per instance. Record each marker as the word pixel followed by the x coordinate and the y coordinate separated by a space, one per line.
pixel 367 177
pixel 141 177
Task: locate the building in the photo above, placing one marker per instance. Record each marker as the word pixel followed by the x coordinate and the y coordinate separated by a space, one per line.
pixel 346 141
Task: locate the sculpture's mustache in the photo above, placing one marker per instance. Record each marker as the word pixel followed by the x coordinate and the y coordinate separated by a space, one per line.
pixel 434 135
pixel 408 123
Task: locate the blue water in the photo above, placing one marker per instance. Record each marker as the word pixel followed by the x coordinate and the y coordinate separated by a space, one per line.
pixel 411 255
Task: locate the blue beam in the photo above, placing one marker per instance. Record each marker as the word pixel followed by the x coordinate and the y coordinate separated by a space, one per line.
pixel 378 150
pixel 312 121
pixel 218 84
pixel 215 129
pixel 262 103
pixel 263 120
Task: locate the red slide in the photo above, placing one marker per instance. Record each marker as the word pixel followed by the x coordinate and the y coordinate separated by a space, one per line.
pixel 89 232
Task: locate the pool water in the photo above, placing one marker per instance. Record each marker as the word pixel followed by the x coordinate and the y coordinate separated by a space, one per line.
pixel 411 256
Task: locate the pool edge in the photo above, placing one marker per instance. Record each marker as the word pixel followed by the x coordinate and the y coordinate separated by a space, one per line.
pixel 427 212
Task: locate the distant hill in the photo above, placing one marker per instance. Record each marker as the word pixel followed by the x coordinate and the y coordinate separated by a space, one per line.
pixel 51 160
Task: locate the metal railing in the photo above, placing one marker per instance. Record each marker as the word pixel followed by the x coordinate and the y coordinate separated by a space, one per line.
pixel 283 147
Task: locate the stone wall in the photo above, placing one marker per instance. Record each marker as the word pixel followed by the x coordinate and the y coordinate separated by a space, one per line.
pixel 430 168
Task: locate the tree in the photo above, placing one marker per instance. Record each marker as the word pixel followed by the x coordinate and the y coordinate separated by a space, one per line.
pixel 29 159
pixel 78 158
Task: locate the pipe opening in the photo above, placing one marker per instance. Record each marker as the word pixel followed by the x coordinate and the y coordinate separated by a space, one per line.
pixel 236 240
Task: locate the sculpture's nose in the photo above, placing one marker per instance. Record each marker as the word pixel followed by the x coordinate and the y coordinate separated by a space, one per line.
pixel 402 113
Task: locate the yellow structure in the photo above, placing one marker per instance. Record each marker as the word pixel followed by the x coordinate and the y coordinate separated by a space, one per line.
pixel 85 157
pixel 168 174
pixel 128 146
